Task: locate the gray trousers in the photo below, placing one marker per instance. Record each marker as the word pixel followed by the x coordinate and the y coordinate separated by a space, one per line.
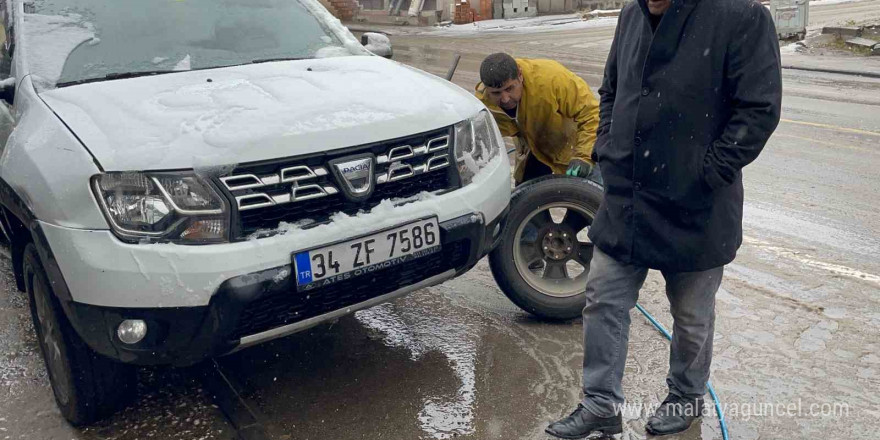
pixel 612 291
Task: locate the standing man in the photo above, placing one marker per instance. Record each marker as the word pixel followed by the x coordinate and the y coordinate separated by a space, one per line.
pixel 549 110
pixel 692 92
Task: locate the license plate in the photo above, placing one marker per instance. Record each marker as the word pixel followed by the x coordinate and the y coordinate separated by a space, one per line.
pixel 360 256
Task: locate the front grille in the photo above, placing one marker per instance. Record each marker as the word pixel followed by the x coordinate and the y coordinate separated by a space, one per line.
pixel 305 190
pixel 290 307
pixel 321 209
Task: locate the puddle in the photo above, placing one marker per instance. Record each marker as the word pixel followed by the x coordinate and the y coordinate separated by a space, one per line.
pixel 440 417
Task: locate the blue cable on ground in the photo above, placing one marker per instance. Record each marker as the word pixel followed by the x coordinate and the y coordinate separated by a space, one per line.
pixel 668 336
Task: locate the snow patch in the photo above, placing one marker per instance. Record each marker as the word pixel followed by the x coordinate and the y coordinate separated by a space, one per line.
pixel 50 40
pixel 281 276
pixel 212 171
pixel 791 48
pixel 525 25
pixel 184 64
pixel 834 2
pixel 328 20
pixel 389 212
pixel 254 112
pixel 332 51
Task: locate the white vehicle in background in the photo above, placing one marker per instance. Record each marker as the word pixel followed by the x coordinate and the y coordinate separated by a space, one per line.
pixel 181 180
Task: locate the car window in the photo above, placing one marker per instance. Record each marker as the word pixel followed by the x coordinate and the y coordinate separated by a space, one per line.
pixel 75 40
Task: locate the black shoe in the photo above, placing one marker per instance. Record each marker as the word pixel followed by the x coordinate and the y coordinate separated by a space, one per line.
pixel 581 423
pixel 676 414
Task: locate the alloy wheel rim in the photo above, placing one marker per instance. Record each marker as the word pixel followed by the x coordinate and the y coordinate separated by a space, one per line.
pixel 550 244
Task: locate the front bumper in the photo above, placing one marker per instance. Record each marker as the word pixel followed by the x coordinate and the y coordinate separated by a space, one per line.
pixel 101 270
pixel 202 301
pixel 257 307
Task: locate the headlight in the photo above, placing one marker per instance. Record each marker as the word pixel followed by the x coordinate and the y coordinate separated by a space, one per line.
pixel 162 206
pixel 477 142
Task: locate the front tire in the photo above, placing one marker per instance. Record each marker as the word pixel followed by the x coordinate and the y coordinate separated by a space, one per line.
pixel 86 385
pixel 544 256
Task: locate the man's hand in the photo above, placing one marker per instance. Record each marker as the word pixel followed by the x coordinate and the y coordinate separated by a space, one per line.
pixel 579 168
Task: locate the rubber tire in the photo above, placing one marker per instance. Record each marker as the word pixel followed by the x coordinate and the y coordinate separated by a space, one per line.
pixel 98 386
pixel 527 197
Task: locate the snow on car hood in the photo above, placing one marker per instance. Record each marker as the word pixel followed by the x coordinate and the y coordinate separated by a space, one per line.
pixel 219 117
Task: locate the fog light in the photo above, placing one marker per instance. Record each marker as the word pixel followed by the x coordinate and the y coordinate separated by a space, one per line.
pixel 132 331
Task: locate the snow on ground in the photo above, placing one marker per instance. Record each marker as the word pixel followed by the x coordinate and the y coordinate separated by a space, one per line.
pixel 554 22
pixel 833 2
pixel 524 25
pixel 790 48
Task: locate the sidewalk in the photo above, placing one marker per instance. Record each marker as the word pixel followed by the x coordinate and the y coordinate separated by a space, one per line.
pixel 853 65
pixel 514 25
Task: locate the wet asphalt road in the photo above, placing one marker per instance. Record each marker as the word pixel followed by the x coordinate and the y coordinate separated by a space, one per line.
pixel 798 312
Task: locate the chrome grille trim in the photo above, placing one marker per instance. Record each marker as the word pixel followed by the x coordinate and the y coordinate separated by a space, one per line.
pixel 232 187
pixel 400 153
pixel 323 191
pixel 394 173
pixel 437 162
pixel 438 144
pixel 433 145
pixel 296 183
pixel 432 164
pixel 267 201
pixel 273 179
pixel 310 173
pixel 281 199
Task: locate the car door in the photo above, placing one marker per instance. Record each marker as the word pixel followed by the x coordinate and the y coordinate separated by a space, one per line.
pixel 7 83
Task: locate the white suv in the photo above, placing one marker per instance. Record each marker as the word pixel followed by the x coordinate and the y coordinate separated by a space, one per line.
pixel 181 180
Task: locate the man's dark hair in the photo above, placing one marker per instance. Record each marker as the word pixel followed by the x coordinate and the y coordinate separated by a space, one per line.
pixel 497 69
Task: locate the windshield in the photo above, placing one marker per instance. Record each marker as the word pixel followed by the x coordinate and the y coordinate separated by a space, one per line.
pixel 72 41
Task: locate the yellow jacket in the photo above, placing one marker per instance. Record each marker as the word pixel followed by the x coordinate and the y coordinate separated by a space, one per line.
pixel 556 119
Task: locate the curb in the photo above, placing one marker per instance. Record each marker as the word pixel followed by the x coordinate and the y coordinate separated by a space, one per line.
pixel 841 72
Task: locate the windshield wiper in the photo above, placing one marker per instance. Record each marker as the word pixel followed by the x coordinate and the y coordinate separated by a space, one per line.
pixel 112 76
pixel 270 60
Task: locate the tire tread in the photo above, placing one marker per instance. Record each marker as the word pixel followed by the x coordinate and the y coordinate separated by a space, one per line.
pixel 101 386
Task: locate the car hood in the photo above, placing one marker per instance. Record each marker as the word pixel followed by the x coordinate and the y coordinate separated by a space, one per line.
pixel 221 117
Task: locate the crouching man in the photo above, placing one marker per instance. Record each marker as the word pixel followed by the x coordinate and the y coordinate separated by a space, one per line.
pixel 549 111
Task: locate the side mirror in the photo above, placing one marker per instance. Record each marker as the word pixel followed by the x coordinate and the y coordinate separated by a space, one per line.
pixel 7 90
pixel 378 44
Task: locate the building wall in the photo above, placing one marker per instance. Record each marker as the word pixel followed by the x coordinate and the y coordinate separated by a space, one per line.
pixel 566 6
pixel 446 8
pixel 518 8
pixel 591 5
pixel 524 8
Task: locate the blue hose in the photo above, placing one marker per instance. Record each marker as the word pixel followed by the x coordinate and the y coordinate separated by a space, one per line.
pixel 668 336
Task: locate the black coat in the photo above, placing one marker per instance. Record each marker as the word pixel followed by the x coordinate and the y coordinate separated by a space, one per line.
pixel 682 111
